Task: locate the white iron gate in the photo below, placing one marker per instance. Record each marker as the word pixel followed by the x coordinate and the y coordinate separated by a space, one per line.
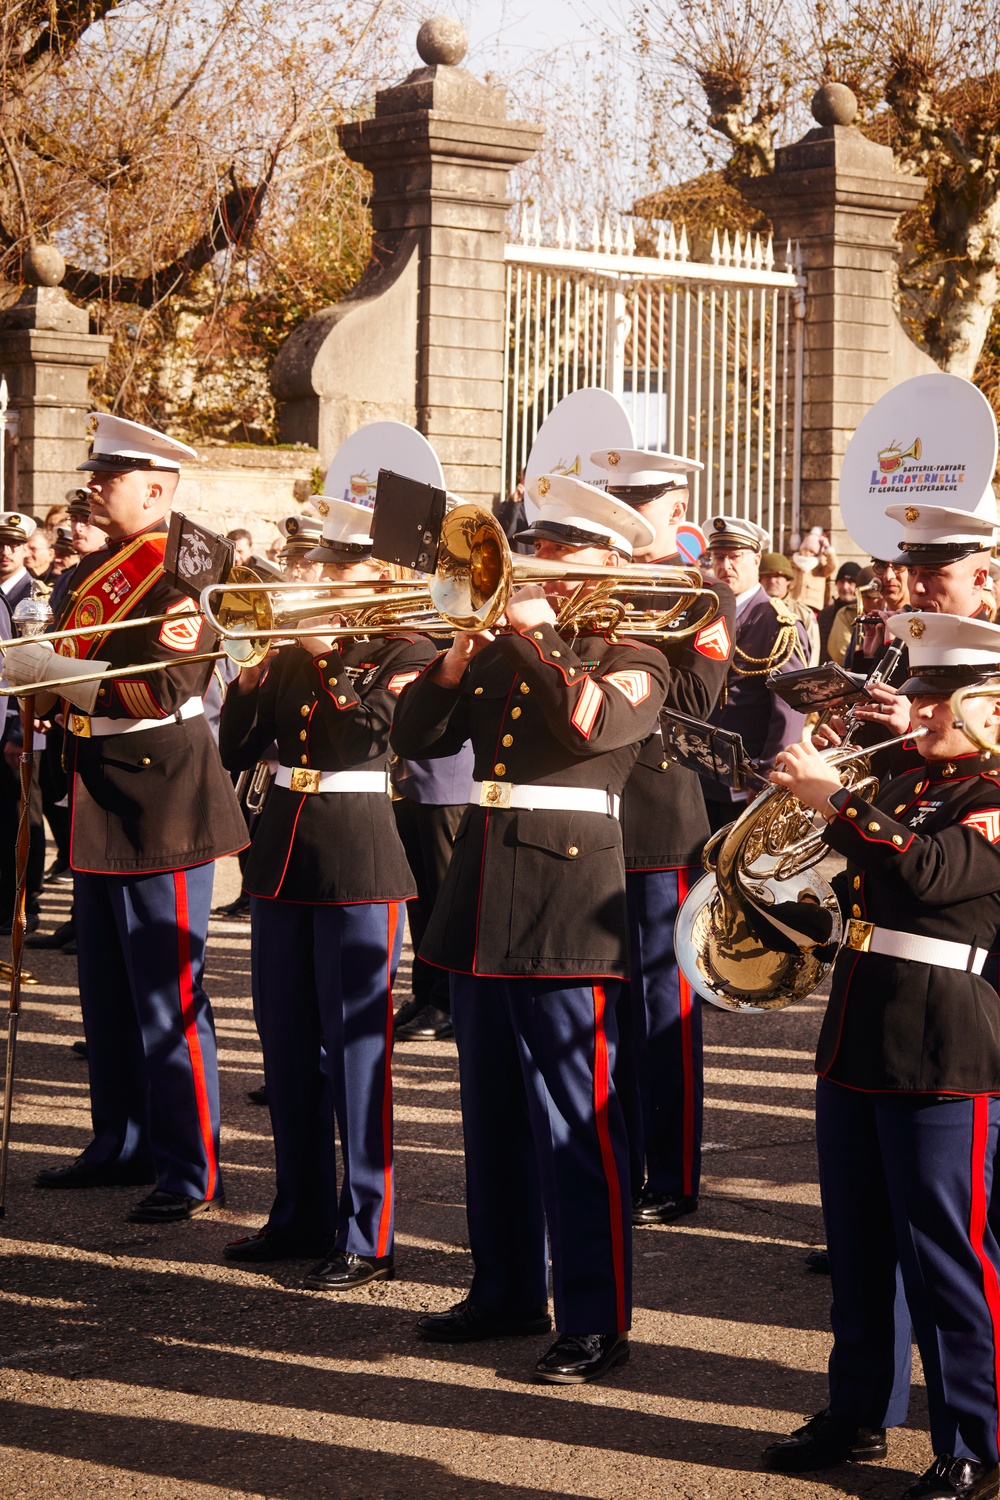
pixel 705 357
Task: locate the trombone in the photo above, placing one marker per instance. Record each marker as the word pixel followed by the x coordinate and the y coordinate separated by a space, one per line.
pixel 469 590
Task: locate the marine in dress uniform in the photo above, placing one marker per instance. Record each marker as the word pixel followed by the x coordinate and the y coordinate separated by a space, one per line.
pixel 660 1074
pixel 532 923
pixel 326 876
pixel 151 809
pixel 909 1074
pixel 769 638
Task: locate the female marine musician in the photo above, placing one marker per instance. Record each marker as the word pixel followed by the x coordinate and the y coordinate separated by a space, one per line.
pixel 326 875
pixel 907 1106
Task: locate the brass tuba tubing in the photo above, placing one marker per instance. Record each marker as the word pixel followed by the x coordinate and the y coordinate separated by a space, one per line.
pixel 955 703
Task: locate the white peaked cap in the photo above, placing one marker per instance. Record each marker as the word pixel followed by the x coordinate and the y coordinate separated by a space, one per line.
pixel 935 640
pixel 927 528
pixel 301 528
pixel 577 514
pixel 15 526
pixel 637 468
pixel 733 531
pixel 122 445
pixel 347 530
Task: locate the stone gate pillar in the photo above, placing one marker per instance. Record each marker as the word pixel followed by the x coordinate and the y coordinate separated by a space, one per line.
pixel 422 337
pixel 47 353
pixel 839 195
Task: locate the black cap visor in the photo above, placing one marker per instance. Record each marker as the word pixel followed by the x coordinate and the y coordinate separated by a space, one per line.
pixel 569 536
pixel 936 556
pixel 941 682
pixel 339 552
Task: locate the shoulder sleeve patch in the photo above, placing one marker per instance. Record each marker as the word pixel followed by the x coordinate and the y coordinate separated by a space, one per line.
pixel 181 634
pixel 987 821
pixel 713 641
pixel 636 685
pixel 399 680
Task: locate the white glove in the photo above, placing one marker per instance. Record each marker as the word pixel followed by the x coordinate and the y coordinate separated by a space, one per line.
pixel 35 661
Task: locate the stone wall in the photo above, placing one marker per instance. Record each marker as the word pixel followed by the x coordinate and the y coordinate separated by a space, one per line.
pixel 248 487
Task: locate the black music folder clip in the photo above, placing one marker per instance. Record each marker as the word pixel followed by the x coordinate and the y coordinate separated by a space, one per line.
pixel 710 751
pixel 814 689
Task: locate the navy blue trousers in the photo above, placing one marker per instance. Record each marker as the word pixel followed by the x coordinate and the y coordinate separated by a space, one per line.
pixel 545 1145
pixel 154 1081
pixel 660 1075
pixel 322 989
pixel 906 1180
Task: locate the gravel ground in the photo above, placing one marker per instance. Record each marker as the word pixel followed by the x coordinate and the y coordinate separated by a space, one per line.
pixel 134 1361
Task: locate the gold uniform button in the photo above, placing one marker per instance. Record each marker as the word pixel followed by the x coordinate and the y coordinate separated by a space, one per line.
pixel 855 910
pixel 515 713
pixel 145 761
pixel 304 710
pixel 572 671
pixel 331 682
pixel 897 838
pixel 920 786
pixel 857 882
pixel 525 688
pixel 305 760
pixel 664 765
pixel 342 698
pixel 507 741
pixel 479 692
pixel 303 734
pixel 874 827
pixel 557 653
pixel 572 851
pixel 321 664
pixel 850 812
pixel 499 769
pixel 537 634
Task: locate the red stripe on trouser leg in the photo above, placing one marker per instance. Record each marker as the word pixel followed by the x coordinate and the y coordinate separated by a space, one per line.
pixel 385 1216
pixel 685 1001
pixel 977 1227
pixel 186 991
pixel 601 1091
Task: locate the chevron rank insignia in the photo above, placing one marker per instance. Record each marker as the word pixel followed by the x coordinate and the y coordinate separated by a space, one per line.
pixel 634 684
pixel 399 680
pixel 987 821
pixel 713 641
pixel 181 634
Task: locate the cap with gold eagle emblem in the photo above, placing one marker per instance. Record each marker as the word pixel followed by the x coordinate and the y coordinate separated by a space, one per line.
pixel 347 531
pixel 638 476
pixel 946 651
pixel 576 514
pixel 120 446
pixel 934 535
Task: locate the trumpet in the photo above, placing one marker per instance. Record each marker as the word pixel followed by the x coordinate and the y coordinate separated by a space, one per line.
pixel 469 590
pixel 956 702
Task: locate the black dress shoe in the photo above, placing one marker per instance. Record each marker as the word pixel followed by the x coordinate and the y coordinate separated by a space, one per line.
pixel 342 1270
pixel 825 1440
pixel 168 1208
pixel 258 1096
pixel 80 1048
pixel 660 1208
pixel 577 1357
pixel 407 1011
pixel 263 1246
pixel 59 873
pixel 85 1174
pixel 429 1024
pixel 465 1324
pixel 64 933
pixel 238 908
pixel 956 1479
pixel 818 1261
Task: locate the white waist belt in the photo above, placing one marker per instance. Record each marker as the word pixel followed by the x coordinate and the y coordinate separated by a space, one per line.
pixel 302 779
pixel 544 798
pixel 85 726
pixel 863 937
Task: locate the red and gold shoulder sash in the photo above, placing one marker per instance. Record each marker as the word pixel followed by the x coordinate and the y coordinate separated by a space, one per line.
pixel 112 591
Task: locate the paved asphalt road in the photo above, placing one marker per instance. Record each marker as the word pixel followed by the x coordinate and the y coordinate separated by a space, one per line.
pixel 134 1361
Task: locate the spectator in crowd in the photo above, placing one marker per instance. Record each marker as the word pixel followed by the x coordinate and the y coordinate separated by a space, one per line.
pixel 40 553
pixel 242 544
pixel 846 587
pixel 814 563
pixel 776 576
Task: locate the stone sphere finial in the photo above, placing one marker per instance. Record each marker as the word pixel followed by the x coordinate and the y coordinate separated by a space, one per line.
pixel 43 266
pixel 443 39
pixel 834 104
